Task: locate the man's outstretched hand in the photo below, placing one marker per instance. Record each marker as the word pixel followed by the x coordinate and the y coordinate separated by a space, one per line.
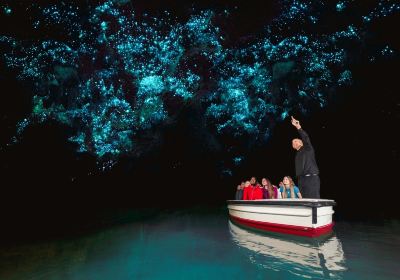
pixel 296 123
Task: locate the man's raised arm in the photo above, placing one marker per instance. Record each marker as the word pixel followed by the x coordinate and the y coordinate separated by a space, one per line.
pixel 304 136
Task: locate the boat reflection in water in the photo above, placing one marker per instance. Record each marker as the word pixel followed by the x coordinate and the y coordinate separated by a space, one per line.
pixel 316 258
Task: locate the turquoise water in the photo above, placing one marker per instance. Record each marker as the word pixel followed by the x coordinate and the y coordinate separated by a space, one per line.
pixel 193 245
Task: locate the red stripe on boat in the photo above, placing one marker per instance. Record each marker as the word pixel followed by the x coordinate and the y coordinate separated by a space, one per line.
pixel 287 229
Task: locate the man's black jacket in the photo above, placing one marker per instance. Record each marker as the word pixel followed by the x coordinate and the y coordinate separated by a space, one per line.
pixel 305 158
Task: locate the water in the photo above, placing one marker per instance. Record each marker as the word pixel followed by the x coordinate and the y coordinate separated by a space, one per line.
pixel 198 245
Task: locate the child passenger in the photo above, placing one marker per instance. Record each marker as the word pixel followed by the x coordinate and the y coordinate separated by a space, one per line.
pixel 288 189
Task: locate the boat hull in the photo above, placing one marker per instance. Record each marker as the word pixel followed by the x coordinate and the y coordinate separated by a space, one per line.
pixel 303 217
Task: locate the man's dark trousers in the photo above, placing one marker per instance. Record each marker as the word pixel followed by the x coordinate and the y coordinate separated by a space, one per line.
pixel 309 186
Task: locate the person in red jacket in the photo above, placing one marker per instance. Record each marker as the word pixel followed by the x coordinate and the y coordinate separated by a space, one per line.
pixel 247 185
pixel 252 190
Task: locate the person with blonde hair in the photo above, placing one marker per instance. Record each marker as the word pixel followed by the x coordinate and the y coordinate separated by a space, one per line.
pixel 288 189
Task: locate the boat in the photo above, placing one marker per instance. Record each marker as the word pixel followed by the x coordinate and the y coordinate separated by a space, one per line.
pixel 303 217
pixel 311 257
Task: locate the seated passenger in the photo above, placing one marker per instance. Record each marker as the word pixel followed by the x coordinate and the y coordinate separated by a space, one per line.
pixel 246 189
pixel 269 191
pixel 239 191
pixel 288 189
pixel 252 190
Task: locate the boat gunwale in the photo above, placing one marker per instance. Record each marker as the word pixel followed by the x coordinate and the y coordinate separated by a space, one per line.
pixel 268 213
pixel 294 202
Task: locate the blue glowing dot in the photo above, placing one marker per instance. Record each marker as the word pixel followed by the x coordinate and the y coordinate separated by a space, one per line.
pixel 386 51
pixel 7 10
pixel 104 25
pixel 284 115
pixel 237 160
pixel 366 18
pixel 340 6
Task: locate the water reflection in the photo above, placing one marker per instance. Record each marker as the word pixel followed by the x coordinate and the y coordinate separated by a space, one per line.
pixel 321 258
pixel 187 245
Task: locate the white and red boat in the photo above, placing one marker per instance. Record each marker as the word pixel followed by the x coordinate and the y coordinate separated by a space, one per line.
pixel 304 217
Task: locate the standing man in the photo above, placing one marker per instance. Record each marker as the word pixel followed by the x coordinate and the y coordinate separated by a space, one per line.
pixel 306 166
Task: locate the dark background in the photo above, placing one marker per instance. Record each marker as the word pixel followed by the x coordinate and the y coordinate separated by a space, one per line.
pixel 48 188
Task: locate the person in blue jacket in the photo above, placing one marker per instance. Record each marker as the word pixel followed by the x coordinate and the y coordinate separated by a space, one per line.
pixel 288 188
